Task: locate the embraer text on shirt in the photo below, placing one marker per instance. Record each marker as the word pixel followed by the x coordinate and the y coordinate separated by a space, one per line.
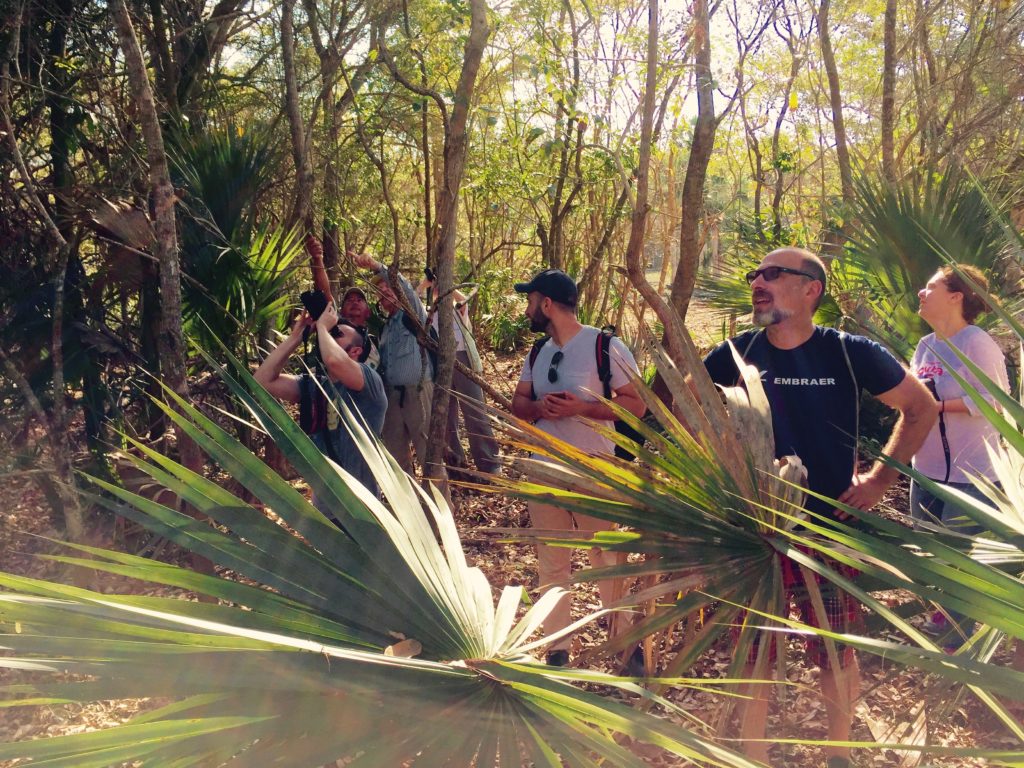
pixel 785 382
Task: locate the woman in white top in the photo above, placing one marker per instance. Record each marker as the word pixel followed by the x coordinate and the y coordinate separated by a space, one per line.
pixel 955 449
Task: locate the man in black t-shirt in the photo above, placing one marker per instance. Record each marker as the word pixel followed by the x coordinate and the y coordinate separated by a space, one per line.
pixel 813 378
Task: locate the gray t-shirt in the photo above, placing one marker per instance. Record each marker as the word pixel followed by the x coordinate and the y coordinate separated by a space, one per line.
pixel 322 422
pixel 966 433
pixel 577 373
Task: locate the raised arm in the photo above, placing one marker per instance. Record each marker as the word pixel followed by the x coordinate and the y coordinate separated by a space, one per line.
pixel 316 264
pixel 283 386
pixel 340 366
pixel 368 262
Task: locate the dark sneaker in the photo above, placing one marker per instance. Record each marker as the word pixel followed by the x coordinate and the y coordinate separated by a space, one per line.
pixel 557 658
pixel 838 762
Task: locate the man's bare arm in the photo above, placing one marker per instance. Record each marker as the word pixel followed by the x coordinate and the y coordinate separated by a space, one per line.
pixel 523 404
pixel 918 412
pixel 316 264
pixel 283 386
pixel 340 367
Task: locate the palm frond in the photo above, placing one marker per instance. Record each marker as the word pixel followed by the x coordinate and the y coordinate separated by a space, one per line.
pixel 302 663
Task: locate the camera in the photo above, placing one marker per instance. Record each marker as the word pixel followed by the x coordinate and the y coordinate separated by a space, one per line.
pixel 315 302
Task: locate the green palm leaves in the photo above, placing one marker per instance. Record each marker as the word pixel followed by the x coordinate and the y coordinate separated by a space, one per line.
pixel 303 659
pixel 715 518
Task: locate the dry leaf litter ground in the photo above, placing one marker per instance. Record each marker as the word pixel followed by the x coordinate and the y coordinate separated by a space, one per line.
pixel 895 704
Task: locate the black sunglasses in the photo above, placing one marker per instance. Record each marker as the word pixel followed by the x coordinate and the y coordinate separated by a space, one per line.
pixel 553 370
pixel 771 274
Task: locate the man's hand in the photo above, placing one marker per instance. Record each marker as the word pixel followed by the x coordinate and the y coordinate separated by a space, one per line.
pixel 314 248
pixel 328 319
pixel 864 493
pixel 561 405
pixel 303 320
pixel 365 261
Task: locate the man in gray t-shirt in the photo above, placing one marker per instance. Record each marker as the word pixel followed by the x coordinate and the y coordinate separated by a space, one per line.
pixel 347 380
pixel 559 392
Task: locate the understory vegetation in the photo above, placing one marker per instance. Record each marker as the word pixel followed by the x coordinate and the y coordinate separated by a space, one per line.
pixel 163 165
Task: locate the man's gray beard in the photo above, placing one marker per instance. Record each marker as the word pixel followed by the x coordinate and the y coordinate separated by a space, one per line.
pixel 772 316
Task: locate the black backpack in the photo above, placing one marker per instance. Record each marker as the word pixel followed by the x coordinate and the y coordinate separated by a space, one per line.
pixel 602 357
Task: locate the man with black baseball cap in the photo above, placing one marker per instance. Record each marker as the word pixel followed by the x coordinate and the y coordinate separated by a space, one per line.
pixel 555 285
pixel 563 400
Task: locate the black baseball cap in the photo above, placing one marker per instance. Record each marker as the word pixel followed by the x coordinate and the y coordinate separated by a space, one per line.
pixel 554 284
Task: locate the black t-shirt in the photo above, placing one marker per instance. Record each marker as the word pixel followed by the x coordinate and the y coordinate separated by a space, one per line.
pixel 814 395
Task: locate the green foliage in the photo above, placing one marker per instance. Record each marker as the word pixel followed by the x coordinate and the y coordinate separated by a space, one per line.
pixel 226 170
pixel 246 293
pixel 237 274
pixel 319 634
pixel 903 233
pixel 501 311
pixel 506 326
pixel 714 517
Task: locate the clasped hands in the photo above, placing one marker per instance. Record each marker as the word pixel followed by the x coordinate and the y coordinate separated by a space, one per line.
pixel 560 405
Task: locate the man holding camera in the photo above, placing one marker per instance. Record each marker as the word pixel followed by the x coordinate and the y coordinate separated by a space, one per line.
pixel 405 366
pixel 342 375
pixel 354 307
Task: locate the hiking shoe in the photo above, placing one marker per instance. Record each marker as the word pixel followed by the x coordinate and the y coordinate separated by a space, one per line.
pixel 937 624
pixel 557 658
pixel 838 762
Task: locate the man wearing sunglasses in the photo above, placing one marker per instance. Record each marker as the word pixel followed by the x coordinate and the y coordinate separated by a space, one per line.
pixel 813 378
pixel 560 393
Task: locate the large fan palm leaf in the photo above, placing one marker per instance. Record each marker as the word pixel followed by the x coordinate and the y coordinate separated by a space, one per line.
pixel 716 531
pixel 303 658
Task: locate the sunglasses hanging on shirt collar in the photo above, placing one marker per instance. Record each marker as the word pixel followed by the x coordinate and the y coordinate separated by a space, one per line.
pixel 553 370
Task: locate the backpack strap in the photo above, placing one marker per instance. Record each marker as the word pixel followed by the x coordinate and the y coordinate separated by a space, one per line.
pixel 534 351
pixel 843 336
pixel 602 350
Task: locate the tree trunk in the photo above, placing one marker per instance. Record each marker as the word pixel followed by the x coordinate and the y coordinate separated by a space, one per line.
pixel 570 132
pixel 332 192
pixel 455 143
pixel 692 206
pixel 828 59
pixel 889 92
pixel 638 222
pixel 55 422
pixel 588 279
pixel 428 193
pixel 780 174
pixel 171 342
pixel 671 205
pixel 303 209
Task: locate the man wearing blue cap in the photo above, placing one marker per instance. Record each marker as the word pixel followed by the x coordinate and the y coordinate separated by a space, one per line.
pixel 559 390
